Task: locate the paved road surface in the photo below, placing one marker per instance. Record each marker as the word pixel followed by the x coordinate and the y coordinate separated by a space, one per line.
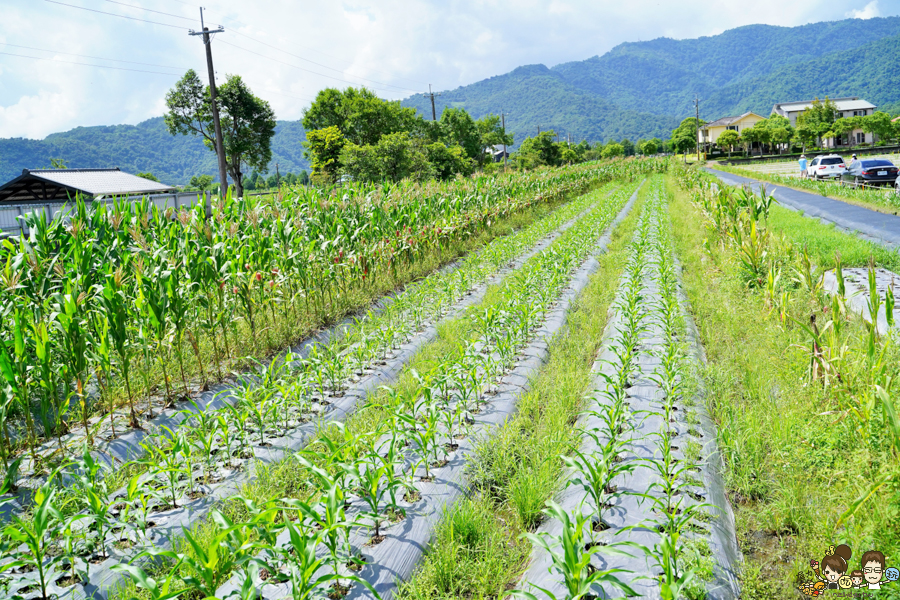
pixel 868 224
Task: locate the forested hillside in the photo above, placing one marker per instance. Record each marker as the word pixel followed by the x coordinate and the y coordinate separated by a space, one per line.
pixel 636 90
pixel 639 89
pixel 145 147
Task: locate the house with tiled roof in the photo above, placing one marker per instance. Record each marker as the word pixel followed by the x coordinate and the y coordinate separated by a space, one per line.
pixel 851 106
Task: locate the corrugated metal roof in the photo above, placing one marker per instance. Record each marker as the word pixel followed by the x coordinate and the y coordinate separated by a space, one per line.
pixel 853 103
pixel 100 182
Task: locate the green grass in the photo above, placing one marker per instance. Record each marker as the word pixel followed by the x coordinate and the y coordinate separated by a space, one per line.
pixel 822 241
pixel 797 453
pixel 516 471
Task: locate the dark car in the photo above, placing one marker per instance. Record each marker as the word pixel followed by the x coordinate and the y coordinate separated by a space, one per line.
pixel 871 171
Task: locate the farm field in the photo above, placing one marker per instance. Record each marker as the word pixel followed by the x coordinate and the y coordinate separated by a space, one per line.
pixel 613 379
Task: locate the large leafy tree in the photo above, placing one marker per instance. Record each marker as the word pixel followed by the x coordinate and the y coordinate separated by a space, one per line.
pixel 459 128
pixel 323 147
pixel 816 120
pixel 394 157
pixel 248 122
pixel 361 116
pixel 540 150
pixel 491 132
pixel 879 124
pixel 684 137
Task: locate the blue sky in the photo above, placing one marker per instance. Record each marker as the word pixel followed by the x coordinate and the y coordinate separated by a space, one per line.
pixel 287 50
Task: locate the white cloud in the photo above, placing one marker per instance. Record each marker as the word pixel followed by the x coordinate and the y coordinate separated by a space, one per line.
pixel 396 47
pixel 869 11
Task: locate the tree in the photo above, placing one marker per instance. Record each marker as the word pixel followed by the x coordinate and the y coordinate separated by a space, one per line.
pixel 568 155
pixel 612 150
pixel 539 150
pixel 323 148
pixel 149 176
pixel 248 122
pixel 627 147
pixel 393 158
pixel 729 139
pixel 303 177
pixel 491 132
pixel 460 129
pixel 448 161
pixel 649 148
pixel 817 119
pixel 880 125
pixel 684 137
pixel 753 135
pixel 845 126
pixel 360 115
pixel 58 163
pixel 201 182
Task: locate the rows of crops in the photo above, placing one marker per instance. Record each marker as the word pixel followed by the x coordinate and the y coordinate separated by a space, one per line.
pixel 136 307
pixel 91 523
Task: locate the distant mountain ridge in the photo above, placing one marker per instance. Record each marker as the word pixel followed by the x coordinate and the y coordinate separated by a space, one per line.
pixel 643 89
pixel 636 90
pixel 145 147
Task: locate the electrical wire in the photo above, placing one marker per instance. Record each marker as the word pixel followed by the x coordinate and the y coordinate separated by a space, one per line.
pixel 131 62
pixel 238 23
pixel 69 62
pixel 324 66
pixel 102 12
pixel 151 10
pixel 289 64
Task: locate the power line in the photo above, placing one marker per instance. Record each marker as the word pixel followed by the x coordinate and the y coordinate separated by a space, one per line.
pixel 323 66
pixel 132 62
pixel 69 62
pixel 238 23
pixel 288 64
pixel 151 10
pixel 102 12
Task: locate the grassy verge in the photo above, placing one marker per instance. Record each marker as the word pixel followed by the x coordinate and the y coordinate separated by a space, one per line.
pixel 886 201
pixel 477 551
pixel 800 450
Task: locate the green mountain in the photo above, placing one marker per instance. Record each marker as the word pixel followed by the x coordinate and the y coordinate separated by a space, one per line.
pixel 643 89
pixel 144 147
pixel 636 90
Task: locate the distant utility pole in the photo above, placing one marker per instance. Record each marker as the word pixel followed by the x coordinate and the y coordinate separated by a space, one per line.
pixel 697 108
pixel 539 130
pixel 433 111
pixel 503 121
pixel 277 177
pixel 220 148
pixel 557 137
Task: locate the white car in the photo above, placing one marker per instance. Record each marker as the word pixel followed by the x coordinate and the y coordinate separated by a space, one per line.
pixel 831 166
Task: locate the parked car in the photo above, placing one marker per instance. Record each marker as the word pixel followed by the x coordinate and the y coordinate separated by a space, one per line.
pixel 871 171
pixel 825 167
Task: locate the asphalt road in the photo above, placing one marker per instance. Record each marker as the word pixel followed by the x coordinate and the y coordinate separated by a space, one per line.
pixel 868 224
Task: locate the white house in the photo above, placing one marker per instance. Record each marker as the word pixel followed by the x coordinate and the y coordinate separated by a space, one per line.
pixel 847 107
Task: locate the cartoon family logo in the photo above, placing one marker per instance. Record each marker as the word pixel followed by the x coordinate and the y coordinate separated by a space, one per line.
pixel 835 572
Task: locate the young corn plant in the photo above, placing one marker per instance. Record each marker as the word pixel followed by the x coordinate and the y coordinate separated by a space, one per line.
pixel 571 558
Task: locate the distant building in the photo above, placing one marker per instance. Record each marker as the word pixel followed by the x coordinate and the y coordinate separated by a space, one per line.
pixel 846 107
pixel 710 132
pixel 498 153
pixel 59 185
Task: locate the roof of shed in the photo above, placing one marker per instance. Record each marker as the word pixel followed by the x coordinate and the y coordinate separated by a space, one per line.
pixel 59 184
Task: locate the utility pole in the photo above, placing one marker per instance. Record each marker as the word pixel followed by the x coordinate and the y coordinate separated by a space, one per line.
pixel 697 108
pixel 277 177
pixel 539 130
pixel 503 121
pixel 220 148
pixel 433 111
